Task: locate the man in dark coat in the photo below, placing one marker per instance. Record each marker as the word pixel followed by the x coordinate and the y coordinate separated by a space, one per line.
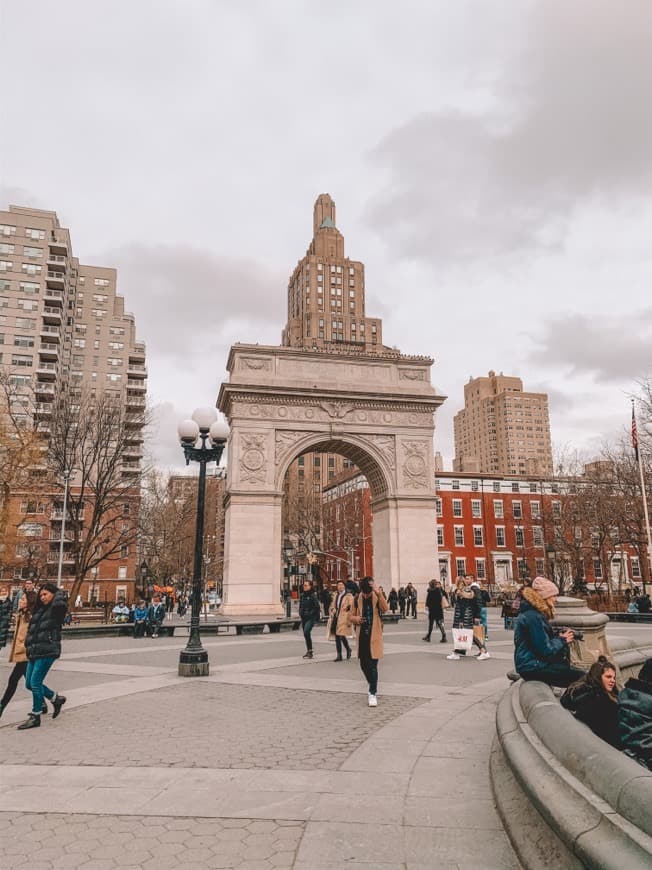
pixel 635 716
pixel 310 614
pixel 155 616
pixel 402 601
pixel 43 647
pixel 326 599
pixel 435 608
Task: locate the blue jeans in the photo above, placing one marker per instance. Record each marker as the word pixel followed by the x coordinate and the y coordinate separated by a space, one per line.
pixel 36 672
pixel 483 621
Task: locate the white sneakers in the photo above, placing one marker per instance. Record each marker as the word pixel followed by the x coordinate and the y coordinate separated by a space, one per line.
pixel 453 657
pixel 483 655
pixel 373 701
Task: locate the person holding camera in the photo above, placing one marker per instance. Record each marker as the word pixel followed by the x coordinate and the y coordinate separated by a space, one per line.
pixel 540 653
pixel 370 605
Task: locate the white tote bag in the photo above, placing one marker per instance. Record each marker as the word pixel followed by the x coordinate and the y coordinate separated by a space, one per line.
pixel 462 638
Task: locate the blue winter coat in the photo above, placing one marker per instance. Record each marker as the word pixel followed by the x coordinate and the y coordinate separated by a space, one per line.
pixel 536 646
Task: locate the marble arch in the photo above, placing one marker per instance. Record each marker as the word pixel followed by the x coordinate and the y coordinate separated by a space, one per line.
pixel 378 410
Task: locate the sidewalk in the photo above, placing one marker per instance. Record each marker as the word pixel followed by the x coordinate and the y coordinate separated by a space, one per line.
pixel 271 761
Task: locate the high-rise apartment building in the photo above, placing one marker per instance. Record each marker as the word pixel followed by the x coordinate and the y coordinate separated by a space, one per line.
pixel 502 429
pixel 326 293
pixel 64 331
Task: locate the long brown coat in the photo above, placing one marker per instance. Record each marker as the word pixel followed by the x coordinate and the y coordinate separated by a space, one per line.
pixel 380 606
pixel 18 652
pixel 343 627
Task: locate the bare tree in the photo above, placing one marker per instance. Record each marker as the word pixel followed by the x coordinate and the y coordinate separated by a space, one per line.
pixel 89 437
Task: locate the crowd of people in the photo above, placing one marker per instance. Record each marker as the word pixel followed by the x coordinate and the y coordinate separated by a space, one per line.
pixel 622 716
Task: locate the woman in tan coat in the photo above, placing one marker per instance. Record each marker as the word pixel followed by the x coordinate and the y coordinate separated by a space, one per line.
pixel 18 653
pixel 340 625
pixel 367 616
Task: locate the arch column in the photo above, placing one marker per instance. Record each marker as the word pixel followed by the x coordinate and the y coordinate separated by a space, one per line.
pixel 405 543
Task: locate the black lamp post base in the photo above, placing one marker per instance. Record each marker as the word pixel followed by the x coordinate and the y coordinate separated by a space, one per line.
pixel 193 663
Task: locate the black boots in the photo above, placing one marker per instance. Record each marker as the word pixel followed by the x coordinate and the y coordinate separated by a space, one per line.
pixel 338 659
pixel 308 655
pixel 426 638
pixel 57 704
pixel 33 721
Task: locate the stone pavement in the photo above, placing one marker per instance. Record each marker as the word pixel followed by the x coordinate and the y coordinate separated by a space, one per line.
pixel 271 761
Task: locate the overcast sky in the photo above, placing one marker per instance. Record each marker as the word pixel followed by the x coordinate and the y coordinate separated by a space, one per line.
pixel 491 163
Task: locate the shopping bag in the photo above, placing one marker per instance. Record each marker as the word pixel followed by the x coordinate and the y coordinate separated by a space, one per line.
pixel 462 638
pixel 478 631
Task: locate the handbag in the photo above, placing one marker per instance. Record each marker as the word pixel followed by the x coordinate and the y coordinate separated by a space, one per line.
pixel 462 638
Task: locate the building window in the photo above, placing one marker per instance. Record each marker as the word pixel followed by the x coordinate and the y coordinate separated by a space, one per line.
pixel 597 569
pixel 101 282
pixel 516 487
pixel 457 507
pixel 535 509
pixel 539 567
pixel 440 536
pixel 480 569
pixel 439 506
pixel 498 509
pixel 478 537
pixel 33 252
pixel 519 536
pixel 537 536
pixel 517 509
pixel 476 508
pixel 636 567
pixel 556 510
pixel 459 536
pixel 7 230
pixel 455 484
pixel 124 551
pixel 122 575
pixel 500 536
pixel 460 567
pixel 496 486
pixel 36 235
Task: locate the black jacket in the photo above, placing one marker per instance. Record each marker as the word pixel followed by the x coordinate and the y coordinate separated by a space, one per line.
pixel 635 721
pixel 593 707
pixel 466 609
pixel 309 607
pixel 44 632
pixel 434 602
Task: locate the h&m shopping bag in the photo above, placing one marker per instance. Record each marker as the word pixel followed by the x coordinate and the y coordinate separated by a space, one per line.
pixel 462 638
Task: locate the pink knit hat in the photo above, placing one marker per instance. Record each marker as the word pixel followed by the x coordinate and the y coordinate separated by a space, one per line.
pixel 545 588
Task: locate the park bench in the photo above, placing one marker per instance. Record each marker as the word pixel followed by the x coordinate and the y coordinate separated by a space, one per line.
pixel 644 618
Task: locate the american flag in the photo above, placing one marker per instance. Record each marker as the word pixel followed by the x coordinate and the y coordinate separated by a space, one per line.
pixel 634 433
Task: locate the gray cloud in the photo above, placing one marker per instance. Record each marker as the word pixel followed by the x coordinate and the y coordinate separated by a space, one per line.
pixel 610 349
pixel 571 123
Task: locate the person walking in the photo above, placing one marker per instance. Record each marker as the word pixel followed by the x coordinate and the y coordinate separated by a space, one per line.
pixel 411 598
pixel 309 613
pixel 43 647
pixel 540 653
pixel 467 615
pixel 485 599
pixel 326 599
pixel 6 610
pixel 435 607
pixel 367 616
pixel 155 616
pixel 402 601
pixel 18 653
pixel 392 600
pixel 340 619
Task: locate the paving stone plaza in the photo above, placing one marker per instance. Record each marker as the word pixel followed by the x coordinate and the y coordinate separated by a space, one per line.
pixel 269 762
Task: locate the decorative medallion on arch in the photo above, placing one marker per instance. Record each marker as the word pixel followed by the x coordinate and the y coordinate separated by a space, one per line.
pixel 376 410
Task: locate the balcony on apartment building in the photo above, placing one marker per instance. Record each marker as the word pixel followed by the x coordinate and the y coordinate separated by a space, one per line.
pixel 133 384
pixel 136 370
pixel 58 244
pixel 53 558
pixel 130 467
pixel 49 350
pixel 56 261
pixel 52 294
pixel 44 387
pixel 50 332
pixel 55 279
pixel 46 370
pixel 51 314
pixel 43 409
pixel 136 403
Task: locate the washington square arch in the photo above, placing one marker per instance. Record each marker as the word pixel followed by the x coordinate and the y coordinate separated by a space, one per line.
pixel 332 386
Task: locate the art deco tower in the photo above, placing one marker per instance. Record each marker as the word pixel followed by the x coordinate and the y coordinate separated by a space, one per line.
pixel 326 293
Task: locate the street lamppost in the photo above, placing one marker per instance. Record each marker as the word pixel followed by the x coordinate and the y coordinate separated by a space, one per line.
pixel 193 660
pixel 288 551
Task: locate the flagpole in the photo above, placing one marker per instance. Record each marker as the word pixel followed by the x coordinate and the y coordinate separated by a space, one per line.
pixel 643 494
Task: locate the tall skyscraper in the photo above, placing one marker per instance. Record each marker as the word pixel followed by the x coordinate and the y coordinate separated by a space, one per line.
pixel 326 292
pixel 502 429
pixel 326 309
pixel 64 331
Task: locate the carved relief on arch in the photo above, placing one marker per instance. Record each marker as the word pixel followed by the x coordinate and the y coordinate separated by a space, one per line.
pixel 386 446
pixel 415 464
pixel 285 441
pixel 253 458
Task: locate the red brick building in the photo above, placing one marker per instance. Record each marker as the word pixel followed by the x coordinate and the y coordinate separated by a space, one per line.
pixel 501 529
